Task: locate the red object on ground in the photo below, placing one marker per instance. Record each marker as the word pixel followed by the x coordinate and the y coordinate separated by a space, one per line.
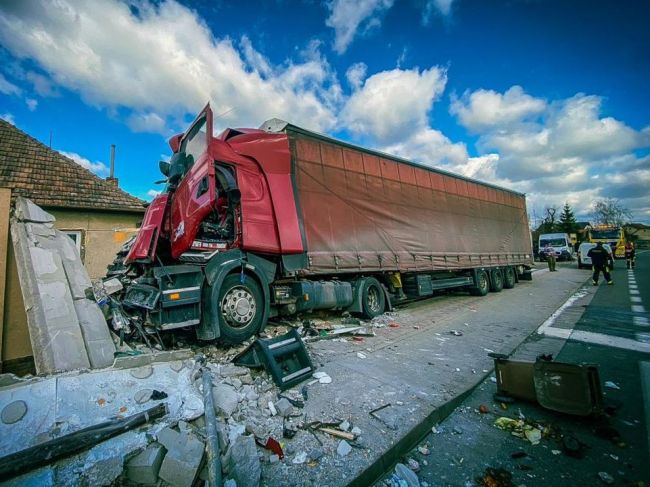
pixel 273 445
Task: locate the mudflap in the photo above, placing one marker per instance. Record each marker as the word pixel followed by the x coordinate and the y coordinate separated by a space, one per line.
pixel 284 357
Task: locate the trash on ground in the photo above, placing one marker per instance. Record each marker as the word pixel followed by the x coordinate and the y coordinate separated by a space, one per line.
pixel 611 385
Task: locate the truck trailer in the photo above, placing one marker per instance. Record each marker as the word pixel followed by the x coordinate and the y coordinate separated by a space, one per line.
pixel 277 221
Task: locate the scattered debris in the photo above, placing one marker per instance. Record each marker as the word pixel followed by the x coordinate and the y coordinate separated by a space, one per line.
pixel 495 477
pixel 343 449
pixel 361 355
pixel 456 333
pixel 483 409
pixel 611 385
pixel 606 478
pixel 145 466
pixel 406 474
pixel 300 458
pixel 49 451
pixel 245 465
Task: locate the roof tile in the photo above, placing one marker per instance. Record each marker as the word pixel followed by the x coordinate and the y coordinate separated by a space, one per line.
pixel 48 178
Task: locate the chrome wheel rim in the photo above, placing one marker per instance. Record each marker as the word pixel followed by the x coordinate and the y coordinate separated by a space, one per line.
pixel 238 307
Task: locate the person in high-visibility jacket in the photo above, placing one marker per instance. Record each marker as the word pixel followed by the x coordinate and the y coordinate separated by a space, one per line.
pixel 630 255
pixel 600 260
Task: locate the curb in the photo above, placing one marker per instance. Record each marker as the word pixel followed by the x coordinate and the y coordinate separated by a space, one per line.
pixel 387 460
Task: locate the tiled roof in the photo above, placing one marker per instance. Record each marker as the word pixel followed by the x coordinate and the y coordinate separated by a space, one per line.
pixel 49 179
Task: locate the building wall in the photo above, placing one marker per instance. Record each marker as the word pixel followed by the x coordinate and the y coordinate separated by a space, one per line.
pixel 102 235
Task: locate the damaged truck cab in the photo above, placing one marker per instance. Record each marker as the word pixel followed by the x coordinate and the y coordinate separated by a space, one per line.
pixel 279 220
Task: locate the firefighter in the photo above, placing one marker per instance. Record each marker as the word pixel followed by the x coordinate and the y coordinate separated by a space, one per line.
pixel 630 255
pixel 550 257
pixel 600 260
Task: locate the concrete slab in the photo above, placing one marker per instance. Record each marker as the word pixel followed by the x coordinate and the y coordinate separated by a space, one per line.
pixel 144 467
pixel 67 331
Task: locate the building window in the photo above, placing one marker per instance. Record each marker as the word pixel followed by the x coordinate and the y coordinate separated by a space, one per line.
pixel 77 237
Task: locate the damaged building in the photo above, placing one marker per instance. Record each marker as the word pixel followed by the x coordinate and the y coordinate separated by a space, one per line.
pixel 95 213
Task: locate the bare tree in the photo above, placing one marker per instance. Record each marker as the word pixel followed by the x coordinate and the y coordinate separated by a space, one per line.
pixel 610 211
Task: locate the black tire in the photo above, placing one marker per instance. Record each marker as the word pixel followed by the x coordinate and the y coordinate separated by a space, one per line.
pixel 496 280
pixel 373 300
pixel 579 263
pixel 509 278
pixel 244 308
pixel 482 285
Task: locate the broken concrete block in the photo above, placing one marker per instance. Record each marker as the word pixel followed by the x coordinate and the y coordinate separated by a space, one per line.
pixel 27 211
pixel 244 462
pixel 284 407
pixel 131 361
pixel 180 466
pixel 225 399
pixel 344 448
pixel 168 438
pixel 144 467
pixel 229 370
pixel 95 332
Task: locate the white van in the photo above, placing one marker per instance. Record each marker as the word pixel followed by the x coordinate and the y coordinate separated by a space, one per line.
pixel 584 260
pixel 560 243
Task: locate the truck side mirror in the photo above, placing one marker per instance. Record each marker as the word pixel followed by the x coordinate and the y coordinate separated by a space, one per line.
pixel 164 167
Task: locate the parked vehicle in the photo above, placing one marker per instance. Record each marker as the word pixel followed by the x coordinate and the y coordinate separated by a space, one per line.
pixel 560 243
pixel 256 223
pixel 609 234
pixel 584 261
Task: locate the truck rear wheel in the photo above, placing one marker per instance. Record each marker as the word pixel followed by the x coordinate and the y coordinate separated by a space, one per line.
pixel 241 308
pixel 372 298
pixel 496 280
pixel 509 278
pixel 482 285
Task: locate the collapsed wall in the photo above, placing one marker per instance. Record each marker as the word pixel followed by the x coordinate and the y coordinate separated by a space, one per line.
pixel 67 330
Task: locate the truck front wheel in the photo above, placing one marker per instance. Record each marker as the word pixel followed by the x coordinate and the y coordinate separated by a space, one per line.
pixel 373 299
pixel 241 308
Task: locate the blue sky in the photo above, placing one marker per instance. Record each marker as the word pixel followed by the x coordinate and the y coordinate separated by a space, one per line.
pixel 550 98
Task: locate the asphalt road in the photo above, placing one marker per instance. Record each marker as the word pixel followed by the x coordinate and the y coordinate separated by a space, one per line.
pixel 604 325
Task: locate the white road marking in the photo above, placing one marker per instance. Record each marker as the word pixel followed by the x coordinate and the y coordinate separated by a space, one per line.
pixel 640 321
pixel 634 292
pixel 598 339
pixel 635 299
pixel 637 308
pixel 551 319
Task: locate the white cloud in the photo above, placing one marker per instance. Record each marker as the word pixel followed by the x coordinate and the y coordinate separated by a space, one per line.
pixel 8 117
pixel 163 61
pixel 348 16
pixel 356 74
pixel 440 7
pixel 152 193
pixel 485 109
pixel 97 167
pixel 8 88
pixel 430 147
pixel 147 122
pixel 393 104
pixel 557 151
pixel 31 103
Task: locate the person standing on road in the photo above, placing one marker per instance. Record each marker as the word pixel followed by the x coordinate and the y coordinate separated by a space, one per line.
pixel 630 255
pixel 550 257
pixel 600 262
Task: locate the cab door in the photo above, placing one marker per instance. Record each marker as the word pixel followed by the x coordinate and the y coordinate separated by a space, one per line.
pixel 195 196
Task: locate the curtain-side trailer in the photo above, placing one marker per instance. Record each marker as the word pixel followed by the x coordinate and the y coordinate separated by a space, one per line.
pixel 280 220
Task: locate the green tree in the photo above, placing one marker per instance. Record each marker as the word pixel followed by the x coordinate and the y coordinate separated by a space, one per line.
pixel 568 222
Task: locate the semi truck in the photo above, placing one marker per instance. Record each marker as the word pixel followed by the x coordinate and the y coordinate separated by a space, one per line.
pixel 279 220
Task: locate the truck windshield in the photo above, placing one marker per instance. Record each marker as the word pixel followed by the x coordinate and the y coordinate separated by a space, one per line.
pixel 554 242
pixel 605 234
pixel 196 141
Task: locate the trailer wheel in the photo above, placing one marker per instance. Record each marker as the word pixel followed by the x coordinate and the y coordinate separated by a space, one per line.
pixel 482 284
pixel 372 299
pixel 241 308
pixel 496 280
pixel 509 278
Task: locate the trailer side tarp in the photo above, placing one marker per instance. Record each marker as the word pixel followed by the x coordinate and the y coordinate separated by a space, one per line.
pixel 362 211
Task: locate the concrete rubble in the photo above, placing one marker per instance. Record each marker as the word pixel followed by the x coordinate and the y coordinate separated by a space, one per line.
pixel 67 330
